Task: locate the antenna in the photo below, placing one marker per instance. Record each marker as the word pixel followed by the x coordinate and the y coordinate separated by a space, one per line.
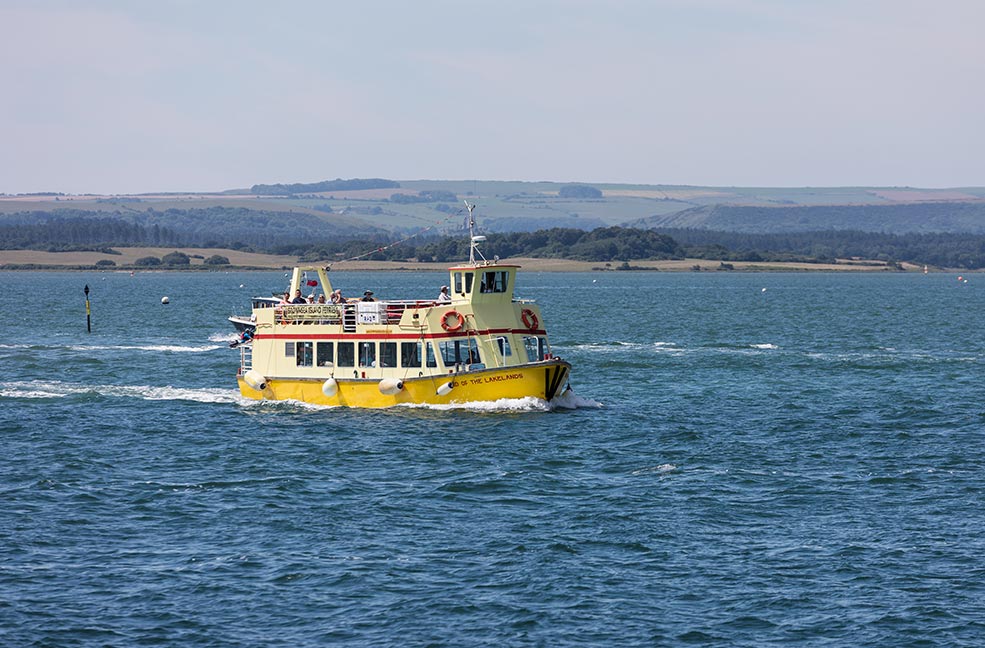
pixel 474 240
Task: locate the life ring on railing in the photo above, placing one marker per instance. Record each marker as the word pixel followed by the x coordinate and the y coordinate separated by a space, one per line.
pixel 448 327
pixel 529 319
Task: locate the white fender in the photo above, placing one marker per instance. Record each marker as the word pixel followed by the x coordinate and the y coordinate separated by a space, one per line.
pixel 330 387
pixel 391 386
pixel 445 389
pixel 255 379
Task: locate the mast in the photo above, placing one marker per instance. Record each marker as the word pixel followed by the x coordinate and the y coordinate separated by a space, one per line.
pixel 474 239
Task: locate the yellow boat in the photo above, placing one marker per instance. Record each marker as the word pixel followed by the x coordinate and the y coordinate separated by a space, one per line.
pixel 481 346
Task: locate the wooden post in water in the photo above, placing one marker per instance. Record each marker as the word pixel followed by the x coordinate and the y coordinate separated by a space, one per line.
pixel 88 318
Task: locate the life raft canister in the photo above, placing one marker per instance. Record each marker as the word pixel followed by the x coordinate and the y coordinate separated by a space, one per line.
pixel 529 319
pixel 452 314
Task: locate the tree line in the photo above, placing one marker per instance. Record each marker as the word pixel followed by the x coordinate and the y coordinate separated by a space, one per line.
pixel 312 237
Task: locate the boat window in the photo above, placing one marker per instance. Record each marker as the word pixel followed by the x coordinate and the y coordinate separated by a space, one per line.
pixel 431 359
pixel 325 352
pixel 388 354
pixel 347 355
pixel 410 354
pixel 304 354
pixel 494 281
pixel 536 347
pixel 288 349
pixel 504 347
pixel 459 351
pixel 467 277
pixel 367 354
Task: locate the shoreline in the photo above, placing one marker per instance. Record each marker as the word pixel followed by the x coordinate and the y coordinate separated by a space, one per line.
pixel 28 260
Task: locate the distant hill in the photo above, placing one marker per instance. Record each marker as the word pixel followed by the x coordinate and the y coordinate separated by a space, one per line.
pixel 368 207
pixel 922 217
pixel 355 184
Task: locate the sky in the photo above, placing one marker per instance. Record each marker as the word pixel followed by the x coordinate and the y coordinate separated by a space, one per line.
pixel 113 96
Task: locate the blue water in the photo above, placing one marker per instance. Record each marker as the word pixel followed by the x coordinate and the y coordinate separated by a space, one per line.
pixel 802 465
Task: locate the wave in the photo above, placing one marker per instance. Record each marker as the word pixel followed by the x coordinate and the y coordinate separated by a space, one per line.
pixel 566 401
pixel 669 347
pixel 173 348
pixel 662 468
pixel 56 389
pixel 157 348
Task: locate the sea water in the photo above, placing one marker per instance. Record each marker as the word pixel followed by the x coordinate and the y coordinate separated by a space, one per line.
pixel 745 460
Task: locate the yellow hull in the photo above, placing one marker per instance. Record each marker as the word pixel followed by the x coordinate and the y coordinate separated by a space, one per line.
pixel 541 380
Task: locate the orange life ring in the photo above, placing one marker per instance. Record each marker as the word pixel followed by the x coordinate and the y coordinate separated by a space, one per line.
pixel 529 319
pixel 452 313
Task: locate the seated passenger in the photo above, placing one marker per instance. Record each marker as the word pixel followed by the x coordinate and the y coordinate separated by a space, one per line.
pixel 321 298
pixel 368 296
pixel 337 297
pixel 443 296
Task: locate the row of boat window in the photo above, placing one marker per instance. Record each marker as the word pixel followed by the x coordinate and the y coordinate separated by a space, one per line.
pixel 404 354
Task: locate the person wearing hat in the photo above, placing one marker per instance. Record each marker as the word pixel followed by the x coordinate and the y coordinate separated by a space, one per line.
pixel 443 296
pixel 368 296
pixel 337 297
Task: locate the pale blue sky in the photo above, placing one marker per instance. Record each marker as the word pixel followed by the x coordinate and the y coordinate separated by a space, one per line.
pixel 114 96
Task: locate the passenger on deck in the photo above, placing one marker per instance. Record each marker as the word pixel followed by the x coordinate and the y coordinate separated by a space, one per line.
pixel 286 299
pixel 321 298
pixel 299 298
pixel 368 296
pixel 443 296
pixel 337 297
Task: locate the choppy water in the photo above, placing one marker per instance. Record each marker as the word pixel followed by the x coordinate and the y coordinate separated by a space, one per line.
pixel 797 466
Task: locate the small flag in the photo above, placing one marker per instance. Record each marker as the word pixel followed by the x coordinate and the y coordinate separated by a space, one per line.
pixel 312 283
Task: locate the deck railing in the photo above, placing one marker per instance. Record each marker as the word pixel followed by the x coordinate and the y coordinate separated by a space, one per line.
pixel 348 314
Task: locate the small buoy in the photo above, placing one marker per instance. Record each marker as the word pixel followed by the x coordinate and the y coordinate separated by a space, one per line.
pixel 255 380
pixel 764 290
pixel 165 300
pixel 595 280
pixel 960 278
pixel 390 386
pixel 241 285
pixel 330 387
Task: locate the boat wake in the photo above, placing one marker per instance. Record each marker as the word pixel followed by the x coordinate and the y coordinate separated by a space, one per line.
pixel 55 389
pixel 157 348
pixel 173 348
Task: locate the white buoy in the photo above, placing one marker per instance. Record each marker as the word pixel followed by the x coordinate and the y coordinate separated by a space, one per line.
pixel 241 285
pixel 165 300
pixel 764 290
pixel 445 389
pixel 391 386
pixel 255 379
pixel 330 387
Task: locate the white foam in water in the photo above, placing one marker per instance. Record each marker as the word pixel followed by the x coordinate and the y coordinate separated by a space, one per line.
pixel 223 337
pixel 570 400
pixel 149 347
pixel 56 389
pixel 764 346
pixel 528 404
pixel 662 468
